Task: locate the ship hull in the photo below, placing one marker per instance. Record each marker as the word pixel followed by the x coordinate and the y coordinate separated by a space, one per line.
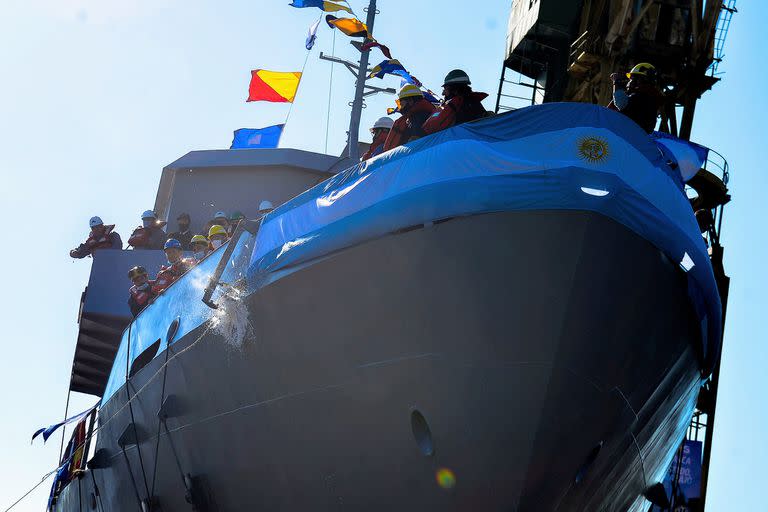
pixel 509 361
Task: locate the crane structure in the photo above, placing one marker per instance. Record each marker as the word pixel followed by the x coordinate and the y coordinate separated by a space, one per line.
pixel 565 50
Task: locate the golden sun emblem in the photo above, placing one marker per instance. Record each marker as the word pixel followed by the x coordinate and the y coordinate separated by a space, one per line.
pixel 593 149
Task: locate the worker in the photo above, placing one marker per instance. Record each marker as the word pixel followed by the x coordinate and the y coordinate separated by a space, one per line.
pixel 141 291
pixel 234 220
pixel 460 103
pixel 265 207
pixel 100 237
pixel 150 234
pixel 217 236
pixel 199 247
pixel 176 266
pixel 380 131
pixel 415 110
pixel 183 235
pixel 637 95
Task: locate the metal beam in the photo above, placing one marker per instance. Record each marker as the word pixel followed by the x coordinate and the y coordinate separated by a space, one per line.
pixel 371 89
pixel 353 68
pixel 357 104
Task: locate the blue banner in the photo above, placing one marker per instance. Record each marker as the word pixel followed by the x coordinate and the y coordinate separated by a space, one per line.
pixel 253 138
pixel 685 469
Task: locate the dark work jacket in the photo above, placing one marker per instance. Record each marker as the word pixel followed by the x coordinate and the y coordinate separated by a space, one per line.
pixel 643 107
pixel 184 238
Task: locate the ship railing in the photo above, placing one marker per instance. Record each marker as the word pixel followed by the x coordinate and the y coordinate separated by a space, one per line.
pixel 718 166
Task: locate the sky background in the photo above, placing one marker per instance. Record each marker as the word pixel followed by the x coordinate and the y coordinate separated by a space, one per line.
pixel 96 96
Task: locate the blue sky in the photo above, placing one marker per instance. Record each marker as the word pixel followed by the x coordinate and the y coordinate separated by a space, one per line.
pixel 96 96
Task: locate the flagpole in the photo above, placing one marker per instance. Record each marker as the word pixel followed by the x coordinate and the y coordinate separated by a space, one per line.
pixel 357 105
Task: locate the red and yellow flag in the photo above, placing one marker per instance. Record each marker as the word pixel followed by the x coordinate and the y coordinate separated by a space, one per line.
pixel 276 86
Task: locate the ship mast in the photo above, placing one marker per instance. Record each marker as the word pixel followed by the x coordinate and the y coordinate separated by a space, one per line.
pixel 357 104
pixel 362 90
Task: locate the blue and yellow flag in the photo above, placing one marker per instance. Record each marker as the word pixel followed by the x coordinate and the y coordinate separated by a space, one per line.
pixel 393 67
pixel 321 4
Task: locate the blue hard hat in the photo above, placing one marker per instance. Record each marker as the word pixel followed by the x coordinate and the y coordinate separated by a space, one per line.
pixel 172 243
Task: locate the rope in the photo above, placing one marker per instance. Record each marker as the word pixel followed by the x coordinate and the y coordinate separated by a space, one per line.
pixel 43 479
pixel 290 109
pixel 118 411
pixel 133 480
pixel 159 419
pixel 133 419
pixel 330 90
pixel 138 447
pixel 97 491
pixel 64 427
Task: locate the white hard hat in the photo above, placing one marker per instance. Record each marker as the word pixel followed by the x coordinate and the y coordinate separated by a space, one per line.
pixel 220 215
pixel 95 221
pixel 148 214
pixel 383 122
pixel 265 205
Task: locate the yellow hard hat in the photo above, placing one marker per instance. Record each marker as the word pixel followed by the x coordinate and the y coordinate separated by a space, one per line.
pixel 199 239
pixel 216 230
pixel 643 69
pixel 410 91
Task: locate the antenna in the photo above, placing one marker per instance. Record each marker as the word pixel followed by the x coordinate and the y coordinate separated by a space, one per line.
pixel 362 89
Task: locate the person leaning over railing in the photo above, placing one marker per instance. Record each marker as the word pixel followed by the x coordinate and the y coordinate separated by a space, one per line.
pixel 101 237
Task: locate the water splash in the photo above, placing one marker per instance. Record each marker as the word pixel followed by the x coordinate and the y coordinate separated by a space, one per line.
pixel 231 321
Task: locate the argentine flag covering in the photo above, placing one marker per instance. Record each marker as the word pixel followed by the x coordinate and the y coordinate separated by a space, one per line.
pixel 568 156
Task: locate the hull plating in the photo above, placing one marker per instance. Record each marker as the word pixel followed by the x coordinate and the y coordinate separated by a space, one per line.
pixel 549 353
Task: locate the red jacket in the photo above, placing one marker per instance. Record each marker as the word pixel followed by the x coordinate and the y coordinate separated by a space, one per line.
pixel 457 110
pixel 408 127
pixel 140 298
pixel 107 240
pixel 152 237
pixel 170 273
pixel 377 146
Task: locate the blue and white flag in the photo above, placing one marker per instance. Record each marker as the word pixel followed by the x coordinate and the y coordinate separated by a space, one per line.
pixel 48 431
pixel 254 138
pixel 312 34
pixel 690 156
